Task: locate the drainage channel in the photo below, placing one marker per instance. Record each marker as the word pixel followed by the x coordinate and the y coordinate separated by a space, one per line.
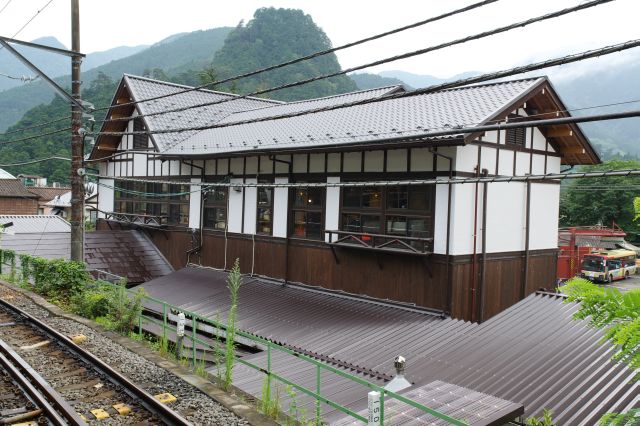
pixel 82 382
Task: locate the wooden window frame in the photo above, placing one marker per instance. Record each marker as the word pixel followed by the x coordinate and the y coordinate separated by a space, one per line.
pixel 211 202
pixel 321 208
pixel 261 222
pixel 130 201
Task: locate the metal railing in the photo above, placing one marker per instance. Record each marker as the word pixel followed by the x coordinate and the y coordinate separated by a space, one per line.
pixel 380 242
pixel 196 322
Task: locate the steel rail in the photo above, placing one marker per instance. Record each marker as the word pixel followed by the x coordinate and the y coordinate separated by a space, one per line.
pixel 55 408
pixel 163 413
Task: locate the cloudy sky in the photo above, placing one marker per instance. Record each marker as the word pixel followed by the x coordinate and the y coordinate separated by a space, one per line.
pixel 107 24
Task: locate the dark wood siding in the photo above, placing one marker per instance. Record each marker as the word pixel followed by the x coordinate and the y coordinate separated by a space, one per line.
pixel 409 279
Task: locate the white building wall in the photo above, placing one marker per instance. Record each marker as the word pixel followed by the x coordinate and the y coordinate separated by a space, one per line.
pixel 332 207
pixel 466 158
pixel 280 209
pixel 545 209
pixel 106 195
pixel 250 207
pixel 440 221
pixel 195 198
pixel 506 217
pixel 234 214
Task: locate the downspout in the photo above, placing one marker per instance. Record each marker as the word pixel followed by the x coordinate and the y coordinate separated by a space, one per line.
pixel 448 301
pixel 484 250
pixel 525 279
pixel 474 259
pixel 286 240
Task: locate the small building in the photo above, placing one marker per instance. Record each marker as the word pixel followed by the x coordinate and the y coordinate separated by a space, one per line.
pixel 60 205
pixel 47 194
pixel 469 250
pixel 14 196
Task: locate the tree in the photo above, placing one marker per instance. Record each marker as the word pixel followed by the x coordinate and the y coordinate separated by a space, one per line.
pixel 602 200
pixel 619 315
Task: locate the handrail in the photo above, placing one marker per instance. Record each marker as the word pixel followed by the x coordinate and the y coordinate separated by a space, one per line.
pixel 380 242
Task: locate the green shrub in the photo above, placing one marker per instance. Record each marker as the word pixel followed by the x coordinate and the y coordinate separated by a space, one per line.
pixel 93 302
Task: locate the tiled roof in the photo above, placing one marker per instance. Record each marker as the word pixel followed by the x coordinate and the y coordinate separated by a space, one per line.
pixel 533 353
pixel 30 224
pixel 14 188
pixel 125 253
pixel 143 88
pixel 405 117
pixel 6 175
pixel 47 193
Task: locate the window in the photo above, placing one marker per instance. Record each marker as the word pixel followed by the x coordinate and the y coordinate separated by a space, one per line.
pixel 141 140
pixel 396 210
pixel 264 223
pixel 515 137
pixel 307 206
pixel 151 199
pixel 215 209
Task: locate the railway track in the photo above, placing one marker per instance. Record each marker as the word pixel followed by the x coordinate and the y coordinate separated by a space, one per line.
pixel 68 384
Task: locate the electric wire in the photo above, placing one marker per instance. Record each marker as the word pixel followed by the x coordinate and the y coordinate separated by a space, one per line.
pixel 32 18
pixel 24 78
pixel 477 36
pixel 40 160
pixel 35 126
pixel 555 177
pixel 38 136
pixel 315 54
pixel 5 6
pixel 430 89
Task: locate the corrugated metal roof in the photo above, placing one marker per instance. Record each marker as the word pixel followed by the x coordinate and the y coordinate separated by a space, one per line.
pixel 402 117
pixel 30 224
pixel 533 353
pixel 6 175
pixel 143 88
pixel 50 245
pixel 14 188
pixel 126 253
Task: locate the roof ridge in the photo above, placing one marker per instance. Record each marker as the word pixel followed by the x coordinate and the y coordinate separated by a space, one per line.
pixel 491 83
pixel 184 86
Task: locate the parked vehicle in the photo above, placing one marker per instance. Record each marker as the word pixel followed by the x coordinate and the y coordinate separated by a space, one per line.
pixel 608 265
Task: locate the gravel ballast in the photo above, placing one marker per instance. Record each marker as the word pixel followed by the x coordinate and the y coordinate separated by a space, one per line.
pixel 192 403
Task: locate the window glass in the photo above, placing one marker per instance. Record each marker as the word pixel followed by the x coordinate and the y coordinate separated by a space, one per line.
pixel 264 223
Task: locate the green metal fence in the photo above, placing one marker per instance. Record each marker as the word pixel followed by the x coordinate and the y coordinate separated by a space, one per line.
pixel 198 320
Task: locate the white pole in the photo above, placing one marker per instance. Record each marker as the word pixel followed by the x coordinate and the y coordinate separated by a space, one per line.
pixel 374 408
pixel 180 335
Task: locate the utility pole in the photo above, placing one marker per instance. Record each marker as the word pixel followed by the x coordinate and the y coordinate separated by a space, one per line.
pixel 77 149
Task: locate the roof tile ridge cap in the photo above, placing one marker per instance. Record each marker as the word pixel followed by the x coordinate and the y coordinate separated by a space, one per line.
pixel 199 89
pixel 492 83
pixel 387 89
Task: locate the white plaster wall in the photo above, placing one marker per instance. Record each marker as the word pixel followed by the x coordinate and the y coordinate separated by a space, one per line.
pixel 105 196
pixel 280 166
pixel 252 165
pixel 421 160
pixel 300 163
pixel 553 164
pixel 266 165
pixel 210 167
pixel 332 208
pixel 522 165
pixel 491 136
pixel 462 211
pixel 250 207
pixel 505 216
pixel 139 165
pixel 333 161
pixel 466 158
pixel 449 151
pixel 373 161
pixel 280 209
pixel 194 204
pixel 488 159
pixel 223 167
pixel 397 160
pixel 539 141
pixel 352 161
pixel 316 163
pixel 440 226
pixel 545 206
pixel 237 165
pixel 538 164
pixel 505 165
pixel 234 215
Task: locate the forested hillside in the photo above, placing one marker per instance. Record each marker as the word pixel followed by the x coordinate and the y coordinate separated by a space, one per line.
pixel 274 36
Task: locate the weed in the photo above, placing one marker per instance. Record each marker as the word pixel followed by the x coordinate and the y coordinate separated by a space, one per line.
pixel 269 405
pixel 234 282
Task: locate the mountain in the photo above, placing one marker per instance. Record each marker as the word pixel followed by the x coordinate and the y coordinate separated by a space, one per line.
pixel 176 54
pixel 54 65
pixel 366 81
pixel 274 36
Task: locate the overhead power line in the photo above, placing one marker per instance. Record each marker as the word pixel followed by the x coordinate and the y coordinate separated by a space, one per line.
pixel 40 160
pixel 381 61
pixel 434 88
pixel 315 54
pixel 32 18
pixel 5 6
pixel 434 181
pixel 40 135
pixel 35 126
pixel 23 78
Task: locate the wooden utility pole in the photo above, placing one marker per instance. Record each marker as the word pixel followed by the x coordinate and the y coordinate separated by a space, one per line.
pixel 77 151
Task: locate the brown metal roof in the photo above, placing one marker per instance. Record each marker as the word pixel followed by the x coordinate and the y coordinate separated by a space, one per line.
pixel 533 353
pixel 14 188
pixel 125 253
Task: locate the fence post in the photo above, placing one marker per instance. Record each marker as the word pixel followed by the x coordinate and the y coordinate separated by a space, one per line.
pixel 180 335
pixel 193 339
pixel 373 399
pixel 164 320
pixel 318 413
